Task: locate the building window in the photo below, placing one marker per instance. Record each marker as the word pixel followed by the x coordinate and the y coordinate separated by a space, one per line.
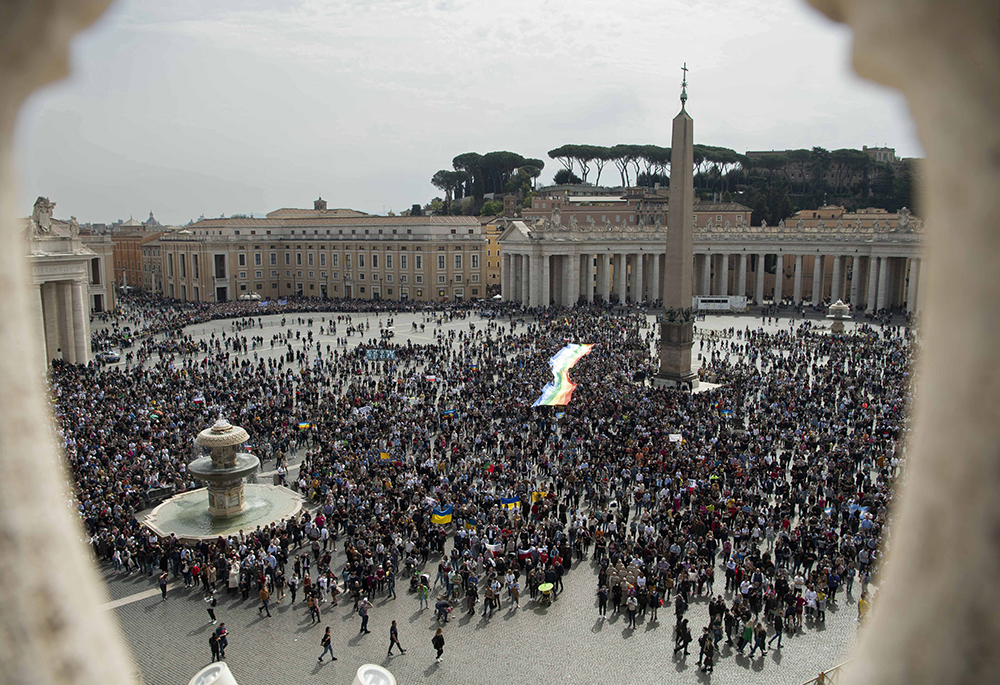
pixel 333 259
pixel 475 291
pixel 241 260
pixel 288 259
pixel 274 286
pixel 258 274
pixel 458 262
pixel 312 274
pixel 475 278
pixel 288 273
pixel 442 278
pixel 322 259
pixel 183 267
pixel 274 273
pixel 458 278
pixel 311 259
pixel 361 288
pixel 419 262
pixel 298 259
pixel 402 261
pixel 258 286
pixel 388 290
pixel 403 279
pixel 170 268
pixel 258 259
pixel 322 275
pixel 274 259
pixel 374 261
pixel 419 279
pixel 388 278
pixel 243 274
pixel 194 266
pixel 388 261
pixel 441 262
pixel 361 261
pixel 298 274
pixel 475 261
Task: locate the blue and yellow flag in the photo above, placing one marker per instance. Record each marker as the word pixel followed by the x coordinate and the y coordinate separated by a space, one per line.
pixel 383 455
pixel 535 496
pixel 509 502
pixel 442 515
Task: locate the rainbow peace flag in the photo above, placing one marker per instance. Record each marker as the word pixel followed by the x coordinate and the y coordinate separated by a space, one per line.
pixel 560 389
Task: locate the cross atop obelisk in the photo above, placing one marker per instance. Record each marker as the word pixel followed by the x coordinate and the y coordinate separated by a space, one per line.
pixel 677 320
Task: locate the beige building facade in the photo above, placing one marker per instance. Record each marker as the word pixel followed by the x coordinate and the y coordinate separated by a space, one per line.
pixel 326 254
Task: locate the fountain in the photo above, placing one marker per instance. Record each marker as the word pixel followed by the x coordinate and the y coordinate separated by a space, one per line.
pixel 837 312
pixel 232 504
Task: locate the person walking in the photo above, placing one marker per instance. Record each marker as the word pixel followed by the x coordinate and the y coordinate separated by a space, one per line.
pixel 264 597
pixel 163 584
pixel 223 636
pixel 325 643
pixel 394 639
pixel 602 601
pixel 683 638
pixel 363 609
pixel 779 628
pixel 313 610
pixel 211 601
pixel 438 642
pixel 213 644
pixel 423 594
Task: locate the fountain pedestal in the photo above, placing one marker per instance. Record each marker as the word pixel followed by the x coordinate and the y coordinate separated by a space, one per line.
pixel 225 470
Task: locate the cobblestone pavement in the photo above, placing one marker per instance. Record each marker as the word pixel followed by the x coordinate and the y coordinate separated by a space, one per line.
pixel 566 642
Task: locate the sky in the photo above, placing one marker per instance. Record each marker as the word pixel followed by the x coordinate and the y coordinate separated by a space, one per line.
pixel 221 107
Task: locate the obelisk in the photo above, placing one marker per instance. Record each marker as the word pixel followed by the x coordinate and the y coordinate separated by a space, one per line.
pixel 677 321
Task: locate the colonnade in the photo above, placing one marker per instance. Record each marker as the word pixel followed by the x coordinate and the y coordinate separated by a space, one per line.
pixel 566 279
pixel 870 281
pixel 65 320
pixel 558 276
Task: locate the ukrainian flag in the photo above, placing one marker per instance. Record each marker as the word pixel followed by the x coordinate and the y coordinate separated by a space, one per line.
pixel 509 502
pixel 442 516
pixel 383 455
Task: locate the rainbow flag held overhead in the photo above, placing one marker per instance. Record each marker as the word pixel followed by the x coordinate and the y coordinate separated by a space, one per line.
pixel 305 424
pixel 559 391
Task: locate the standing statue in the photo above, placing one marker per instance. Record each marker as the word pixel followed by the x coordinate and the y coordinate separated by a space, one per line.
pixel 41 216
pixel 799 225
pixel 607 225
pixel 74 227
pixel 573 224
pixel 556 216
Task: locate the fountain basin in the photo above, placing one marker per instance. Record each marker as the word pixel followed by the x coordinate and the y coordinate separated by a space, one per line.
pixel 187 516
pixel 204 469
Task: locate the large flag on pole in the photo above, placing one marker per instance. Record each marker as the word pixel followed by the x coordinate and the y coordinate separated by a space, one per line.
pixel 509 502
pixel 560 389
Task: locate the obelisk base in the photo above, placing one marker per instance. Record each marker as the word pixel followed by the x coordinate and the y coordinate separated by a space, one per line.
pixel 676 342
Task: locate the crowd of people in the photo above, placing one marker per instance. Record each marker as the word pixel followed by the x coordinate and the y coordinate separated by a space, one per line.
pixel 766 498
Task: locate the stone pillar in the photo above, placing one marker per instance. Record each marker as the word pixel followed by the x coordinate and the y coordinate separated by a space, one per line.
pixel 855 281
pixel 505 277
pixel 66 343
pixel 837 286
pixel 817 293
pixel 883 283
pixel 639 291
pixel 741 276
pixel 571 289
pixel 797 292
pixel 706 275
pixel 50 314
pixel 871 295
pixel 587 276
pixel 779 277
pixel 604 276
pixel 911 286
pixel 655 292
pixel 621 269
pixel 527 282
pixel 81 323
pixel 722 276
pixel 545 294
pixel 759 285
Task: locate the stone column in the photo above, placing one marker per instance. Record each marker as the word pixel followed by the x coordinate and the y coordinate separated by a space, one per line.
pixel 855 281
pixel 706 275
pixel 526 281
pixel 66 342
pixel 50 314
pixel 722 276
pixel 911 286
pixel 741 276
pixel 81 323
pixel 817 293
pixel 604 276
pixel 639 291
pixel 571 291
pixel 655 292
pixel 621 269
pixel 759 285
pixel 883 283
pixel 797 292
pixel 505 277
pixel 545 294
pixel 587 276
pixel 871 295
pixel 837 287
pixel 779 277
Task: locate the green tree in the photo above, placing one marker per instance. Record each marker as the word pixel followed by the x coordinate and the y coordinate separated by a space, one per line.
pixel 566 177
pixel 491 208
pixel 472 163
pixel 449 182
